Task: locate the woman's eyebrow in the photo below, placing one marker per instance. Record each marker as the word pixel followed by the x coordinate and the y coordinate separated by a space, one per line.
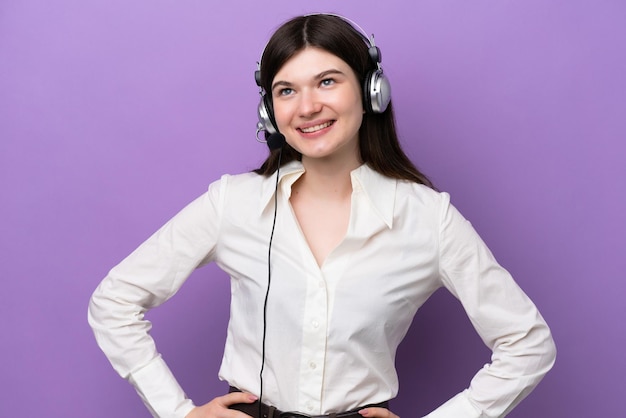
pixel 281 83
pixel 323 74
pixel 326 73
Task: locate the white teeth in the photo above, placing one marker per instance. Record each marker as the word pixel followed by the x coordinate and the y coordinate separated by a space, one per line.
pixel 316 127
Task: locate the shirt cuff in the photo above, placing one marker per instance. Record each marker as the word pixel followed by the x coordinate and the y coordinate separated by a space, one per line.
pixel 159 390
pixel 457 407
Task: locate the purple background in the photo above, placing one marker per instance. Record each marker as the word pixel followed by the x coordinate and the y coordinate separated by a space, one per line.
pixel 115 114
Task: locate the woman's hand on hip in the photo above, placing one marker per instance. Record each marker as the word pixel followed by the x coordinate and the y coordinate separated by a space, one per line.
pixel 218 407
pixel 374 412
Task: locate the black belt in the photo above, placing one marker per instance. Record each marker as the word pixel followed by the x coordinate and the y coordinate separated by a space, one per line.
pixel 267 411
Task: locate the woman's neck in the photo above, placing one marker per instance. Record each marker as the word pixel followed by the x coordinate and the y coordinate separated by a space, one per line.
pixel 326 179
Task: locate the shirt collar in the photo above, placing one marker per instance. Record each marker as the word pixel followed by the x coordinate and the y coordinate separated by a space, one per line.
pixel 289 173
pixel 379 189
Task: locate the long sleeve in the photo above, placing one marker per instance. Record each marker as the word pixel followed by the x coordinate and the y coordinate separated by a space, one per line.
pixel 505 318
pixel 145 279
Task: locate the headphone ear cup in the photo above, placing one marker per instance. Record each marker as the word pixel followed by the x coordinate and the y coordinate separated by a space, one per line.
pixel 376 92
pixel 367 94
pixel 265 113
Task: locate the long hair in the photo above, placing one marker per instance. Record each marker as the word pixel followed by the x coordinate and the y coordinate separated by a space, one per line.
pixel 378 140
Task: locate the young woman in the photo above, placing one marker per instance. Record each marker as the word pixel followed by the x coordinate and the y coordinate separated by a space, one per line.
pixel 331 245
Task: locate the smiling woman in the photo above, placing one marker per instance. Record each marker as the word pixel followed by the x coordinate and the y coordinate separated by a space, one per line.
pixel 318 107
pixel 358 240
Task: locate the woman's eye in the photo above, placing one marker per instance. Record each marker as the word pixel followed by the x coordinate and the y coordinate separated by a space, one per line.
pixel 285 92
pixel 328 82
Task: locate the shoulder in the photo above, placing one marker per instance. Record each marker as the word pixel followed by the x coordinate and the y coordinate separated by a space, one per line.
pixel 421 195
pixel 241 183
pixel 242 178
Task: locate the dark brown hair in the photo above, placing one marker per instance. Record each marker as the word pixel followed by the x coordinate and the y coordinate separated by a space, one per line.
pixel 378 140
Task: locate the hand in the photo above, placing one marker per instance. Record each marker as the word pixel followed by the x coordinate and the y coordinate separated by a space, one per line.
pixel 377 413
pixel 218 407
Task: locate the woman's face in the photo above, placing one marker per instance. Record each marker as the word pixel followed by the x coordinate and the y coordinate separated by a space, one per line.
pixel 318 106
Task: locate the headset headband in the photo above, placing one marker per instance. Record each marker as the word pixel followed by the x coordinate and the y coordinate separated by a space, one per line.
pixel 369 40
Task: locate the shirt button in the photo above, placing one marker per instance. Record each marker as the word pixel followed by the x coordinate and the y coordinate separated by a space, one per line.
pixel 312 365
pixel 309 406
pixel 315 324
pixel 321 284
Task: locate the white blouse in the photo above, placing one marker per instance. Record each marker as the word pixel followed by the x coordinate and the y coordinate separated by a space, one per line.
pixel 332 332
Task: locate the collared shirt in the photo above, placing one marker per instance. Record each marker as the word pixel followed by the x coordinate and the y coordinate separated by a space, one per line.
pixel 332 331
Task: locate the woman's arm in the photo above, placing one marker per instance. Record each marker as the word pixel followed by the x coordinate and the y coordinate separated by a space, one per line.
pixel 505 318
pixel 146 278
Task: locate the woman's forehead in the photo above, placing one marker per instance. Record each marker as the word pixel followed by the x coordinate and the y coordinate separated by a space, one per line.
pixel 311 61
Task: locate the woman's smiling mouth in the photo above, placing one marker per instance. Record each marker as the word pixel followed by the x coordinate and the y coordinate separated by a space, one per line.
pixel 315 128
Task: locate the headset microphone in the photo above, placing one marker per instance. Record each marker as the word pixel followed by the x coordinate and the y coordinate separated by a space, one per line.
pixel 276 141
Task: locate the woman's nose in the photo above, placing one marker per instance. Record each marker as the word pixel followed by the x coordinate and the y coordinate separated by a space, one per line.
pixel 310 103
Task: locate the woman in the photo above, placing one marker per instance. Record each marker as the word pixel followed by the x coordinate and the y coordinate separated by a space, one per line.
pixel 332 245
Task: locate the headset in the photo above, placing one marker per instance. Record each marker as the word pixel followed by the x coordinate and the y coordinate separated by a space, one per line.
pixel 376 87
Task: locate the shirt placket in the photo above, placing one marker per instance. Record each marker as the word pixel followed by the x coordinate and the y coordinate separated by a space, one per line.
pixel 315 331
